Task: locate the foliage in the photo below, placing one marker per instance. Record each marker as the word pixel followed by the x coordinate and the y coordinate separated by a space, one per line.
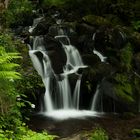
pixel 7 41
pixel 21 132
pixel 11 120
pixel 99 134
pixel 12 127
pixel 7 76
pixel 18 13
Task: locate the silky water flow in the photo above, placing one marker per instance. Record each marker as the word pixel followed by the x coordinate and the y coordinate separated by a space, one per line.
pixel 67 105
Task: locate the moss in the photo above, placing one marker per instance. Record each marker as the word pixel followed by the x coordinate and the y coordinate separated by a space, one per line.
pixel 126 55
pixel 121 78
pixel 124 88
pixel 124 92
pixel 96 20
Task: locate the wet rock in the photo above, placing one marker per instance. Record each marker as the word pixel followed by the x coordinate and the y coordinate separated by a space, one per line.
pixel 90 59
pixel 56 54
pixel 83 28
pixel 43 26
pixel 107 88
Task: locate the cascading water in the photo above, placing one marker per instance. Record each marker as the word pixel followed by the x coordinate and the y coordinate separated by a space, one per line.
pixel 97 96
pixel 102 58
pixel 95 99
pixel 65 92
pixel 66 101
pixel 77 93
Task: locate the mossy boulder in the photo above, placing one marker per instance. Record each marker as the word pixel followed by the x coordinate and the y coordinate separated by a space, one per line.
pixel 95 20
pixel 123 88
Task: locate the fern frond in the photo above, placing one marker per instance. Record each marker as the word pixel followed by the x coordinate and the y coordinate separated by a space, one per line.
pixel 9 75
pixel 8 66
pixel 8 58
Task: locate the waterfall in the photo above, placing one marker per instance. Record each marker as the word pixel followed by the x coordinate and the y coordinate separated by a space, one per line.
pixel 65 92
pixel 47 98
pixel 95 100
pixel 76 97
pixel 74 62
pixel 102 58
pixel 73 56
pixel 35 22
pixel 38 43
pixel 42 64
pixel 64 99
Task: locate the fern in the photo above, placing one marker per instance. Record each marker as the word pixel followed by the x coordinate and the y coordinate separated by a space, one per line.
pixel 7 67
pixel 9 75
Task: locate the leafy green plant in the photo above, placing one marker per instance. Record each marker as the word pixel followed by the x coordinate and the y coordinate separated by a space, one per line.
pixel 99 134
pixel 23 133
